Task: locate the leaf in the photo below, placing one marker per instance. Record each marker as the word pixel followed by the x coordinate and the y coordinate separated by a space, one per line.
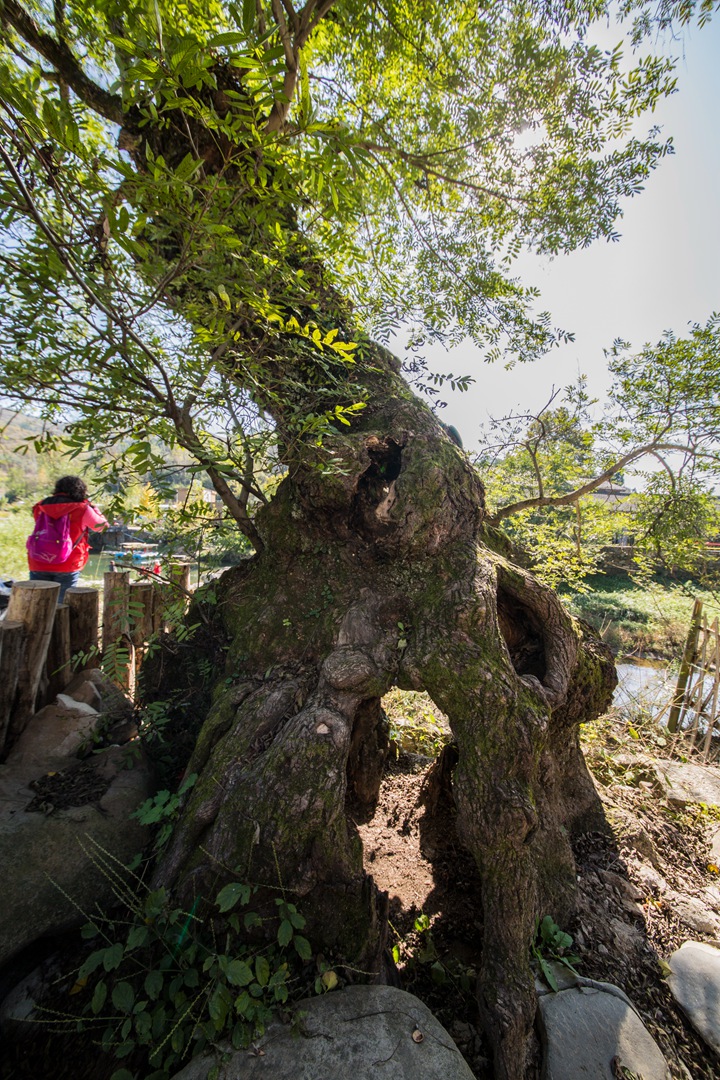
pixel 285 933
pixel 232 894
pixel 94 960
pixel 231 37
pixel 302 947
pixel 123 997
pixel 99 997
pixel 153 984
pixel 329 980
pixel 548 974
pixel 239 973
pixel 262 970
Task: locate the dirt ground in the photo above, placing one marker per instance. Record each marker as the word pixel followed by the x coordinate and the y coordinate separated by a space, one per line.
pixel 630 885
pixel 638 885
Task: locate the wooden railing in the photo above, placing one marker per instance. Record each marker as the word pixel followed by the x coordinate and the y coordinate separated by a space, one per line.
pixel 695 709
pixel 43 643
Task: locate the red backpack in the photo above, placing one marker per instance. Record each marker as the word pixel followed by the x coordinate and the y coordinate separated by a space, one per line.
pixel 50 540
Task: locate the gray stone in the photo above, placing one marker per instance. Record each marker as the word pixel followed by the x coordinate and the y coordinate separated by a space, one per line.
pixel 694 914
pixel 715 848
pixel 67 702
pixel 51 876
pixel 695 985
pixel 686 782
pixel 18 1017
pixel 362 1033
pixel 53 735
pixel 586 1028
pixel 86 692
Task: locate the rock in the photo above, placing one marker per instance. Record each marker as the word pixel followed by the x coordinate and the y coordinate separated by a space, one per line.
pixel 115 705
pixel 18 1018
pixel 586 1028
pixel 686 782
pixel 74 705
pixel 715 848
pixel 623 885
pixel 362 1033
pixel 695 985
pixel 86 692
pixel 651 879
pixel 51 880
pixel 694 914
pixel 53 735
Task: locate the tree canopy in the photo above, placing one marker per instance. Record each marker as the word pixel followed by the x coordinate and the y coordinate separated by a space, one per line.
pixel 184 191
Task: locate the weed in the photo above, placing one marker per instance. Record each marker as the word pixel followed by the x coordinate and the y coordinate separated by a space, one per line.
pixel 552 945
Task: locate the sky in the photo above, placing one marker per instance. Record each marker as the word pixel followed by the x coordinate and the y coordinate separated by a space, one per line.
pixel 663 274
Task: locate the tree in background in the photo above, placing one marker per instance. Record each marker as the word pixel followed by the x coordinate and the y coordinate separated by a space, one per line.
pixel 543 471
pixel 214 215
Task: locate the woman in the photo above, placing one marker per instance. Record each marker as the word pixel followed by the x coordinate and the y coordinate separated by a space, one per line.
pixel 58 548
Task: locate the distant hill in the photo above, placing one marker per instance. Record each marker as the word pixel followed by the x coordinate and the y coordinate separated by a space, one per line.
pixel 23 472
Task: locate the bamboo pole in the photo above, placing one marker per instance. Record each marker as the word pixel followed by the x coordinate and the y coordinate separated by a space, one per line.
pixel 694 702
pixel 11 640
pixel 84 610
pixel 712 720
pixel 685 666
pixel 33 604
pixel 58 667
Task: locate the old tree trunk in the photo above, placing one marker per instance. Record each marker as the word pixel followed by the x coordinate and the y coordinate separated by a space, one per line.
pixel 375 574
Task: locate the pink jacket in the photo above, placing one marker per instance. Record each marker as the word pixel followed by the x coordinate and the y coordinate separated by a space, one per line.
pixel 83 516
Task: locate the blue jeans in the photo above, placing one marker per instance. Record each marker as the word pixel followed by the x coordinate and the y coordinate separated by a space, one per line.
pixel 67 580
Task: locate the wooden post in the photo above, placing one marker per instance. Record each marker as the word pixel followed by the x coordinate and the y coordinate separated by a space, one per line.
pixel 140 607
pixel 84 609
pixel 11 640
pixel 177 592
pixel 116 584
pixel 33 604
pixel 685 667
pixel 158 607
pixel 117 646
pixel 58 667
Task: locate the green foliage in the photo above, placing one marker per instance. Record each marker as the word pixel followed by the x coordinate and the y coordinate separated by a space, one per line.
pixel 183 288
pixel 648 618
pixel 170 984
pixel 542 471
pixel 552 945
pixel 415 723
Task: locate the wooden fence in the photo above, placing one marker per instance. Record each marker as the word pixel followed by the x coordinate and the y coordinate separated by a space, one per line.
pixel 695 709
pixel 43 643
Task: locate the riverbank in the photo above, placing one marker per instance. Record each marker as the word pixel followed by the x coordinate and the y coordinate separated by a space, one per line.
pixel 641 621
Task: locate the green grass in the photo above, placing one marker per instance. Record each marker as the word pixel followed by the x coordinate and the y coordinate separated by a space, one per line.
pixel 15 526
pixel 641 620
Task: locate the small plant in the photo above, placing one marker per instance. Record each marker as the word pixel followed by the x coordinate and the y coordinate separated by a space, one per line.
pixel 553 945
pixel 168 984
pixel 162 810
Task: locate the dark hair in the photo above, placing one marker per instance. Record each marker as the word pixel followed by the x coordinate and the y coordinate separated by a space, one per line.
pixel 72 486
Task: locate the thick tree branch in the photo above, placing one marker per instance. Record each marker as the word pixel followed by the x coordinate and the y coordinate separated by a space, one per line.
pixel 63 60
pixel 592 485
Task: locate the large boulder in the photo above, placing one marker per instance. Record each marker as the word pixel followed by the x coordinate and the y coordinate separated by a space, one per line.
pixel 695 984
pixel 361 1033
pixel 61 816
pixel 590 1029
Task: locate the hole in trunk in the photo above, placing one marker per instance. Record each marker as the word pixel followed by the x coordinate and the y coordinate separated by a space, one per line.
pixel 374 494
pixel 523 633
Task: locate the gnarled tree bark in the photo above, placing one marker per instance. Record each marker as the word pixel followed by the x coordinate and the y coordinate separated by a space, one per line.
pixel 380 574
